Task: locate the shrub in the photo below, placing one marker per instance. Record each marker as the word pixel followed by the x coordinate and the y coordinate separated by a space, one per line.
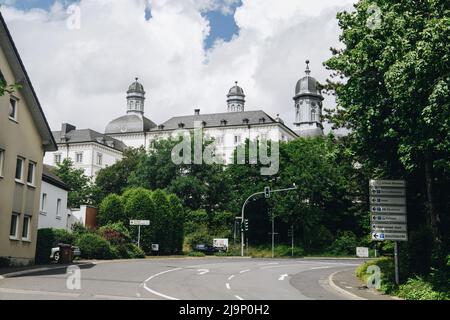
pixel 4 262
pixel 63 236
pixel 200 237
pixel 115 233
pixel 419 289
pixel 196 254
pixel 45 242
pixel 93 246
pixel 111 210
pixel 345 243
pixel 387 269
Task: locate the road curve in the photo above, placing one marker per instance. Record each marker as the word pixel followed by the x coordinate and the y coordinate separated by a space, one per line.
pixel 187 279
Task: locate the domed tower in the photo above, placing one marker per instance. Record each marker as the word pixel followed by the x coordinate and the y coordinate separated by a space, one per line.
pixel 308 106
pixel 135 98
pixel 236 99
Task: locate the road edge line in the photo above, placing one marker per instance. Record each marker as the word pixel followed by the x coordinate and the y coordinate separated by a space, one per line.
pixel 36 270
pixel 340 290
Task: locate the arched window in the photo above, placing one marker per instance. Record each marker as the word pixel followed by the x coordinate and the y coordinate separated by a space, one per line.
pixel 313 115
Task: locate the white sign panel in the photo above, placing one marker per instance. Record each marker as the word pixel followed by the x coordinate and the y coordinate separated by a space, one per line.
pixel 389 227
pixel 378 191
pixel 362 252
pixel 139 222
pixel 386 218
pixel 388 183
pixel 388 209
pixel 381 236
pixel 220 243
pixel 155 247
pixel 387 200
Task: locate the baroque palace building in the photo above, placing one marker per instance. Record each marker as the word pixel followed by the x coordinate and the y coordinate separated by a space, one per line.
pixel 91 150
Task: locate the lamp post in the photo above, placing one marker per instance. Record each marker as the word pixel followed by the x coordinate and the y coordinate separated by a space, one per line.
pixel 267 192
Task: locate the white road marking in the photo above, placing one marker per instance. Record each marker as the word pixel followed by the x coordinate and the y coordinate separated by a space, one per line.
pixel 231 277
pixel 156 292
pixel 202 271
pixel 228 286
pixel 268 264
pixel 283 276
pixel 244 271
pixel 239 298
pixel 316 268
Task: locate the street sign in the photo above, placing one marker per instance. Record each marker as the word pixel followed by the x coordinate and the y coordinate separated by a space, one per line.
pixel 388 218
pixel 389 227
pixel 379 191
pixel 379 236
pixel 139 222
pixel 388 183
pixel 380 200
pixel 155 247
pixel 362 252
pixel 388 209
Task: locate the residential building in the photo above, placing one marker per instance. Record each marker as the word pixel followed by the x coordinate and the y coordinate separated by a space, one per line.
pixel 24 138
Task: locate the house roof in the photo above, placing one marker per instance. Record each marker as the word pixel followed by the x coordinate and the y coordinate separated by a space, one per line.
pixel 21 76
pixel 223 119
pixel 88 135
pixel 129 123
pixel 49 176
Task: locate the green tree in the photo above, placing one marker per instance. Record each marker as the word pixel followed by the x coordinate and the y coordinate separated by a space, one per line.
pixel 111 210
pixel 395 101
pixel 80 185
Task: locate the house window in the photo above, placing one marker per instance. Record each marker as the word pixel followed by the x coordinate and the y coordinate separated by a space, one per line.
pixel 313 115
pixel 14 226
pixel 263 137
pixel 26 228
pixel 99 159
pixel 13 109
pixel 2 161
pixel 79 157
pixel 57 158
pixel 31 173
pixel 219 140
pixel 58 209
pixel 19 169
pixel 237 139
pixel 44 203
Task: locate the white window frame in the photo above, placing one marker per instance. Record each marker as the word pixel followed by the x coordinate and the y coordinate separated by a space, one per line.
pixel 28 224
pixel 2 162
pixel 20 180
pixel 58 209
pixel 44 198
pixel 99 159
pixel 57 157
pixel 16 103
pixel 31 183
pixel 15 236
pixel 237 139
pixel 79 154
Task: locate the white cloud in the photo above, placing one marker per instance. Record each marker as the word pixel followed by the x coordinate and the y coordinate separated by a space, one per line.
pixel 81 76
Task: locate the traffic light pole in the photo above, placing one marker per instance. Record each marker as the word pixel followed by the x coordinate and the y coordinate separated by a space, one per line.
pixel 243 209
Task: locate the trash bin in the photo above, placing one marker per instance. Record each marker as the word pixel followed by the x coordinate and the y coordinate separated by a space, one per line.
pixel 65 251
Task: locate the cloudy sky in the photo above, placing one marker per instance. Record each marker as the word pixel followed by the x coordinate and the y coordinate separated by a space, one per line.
pixel 186 53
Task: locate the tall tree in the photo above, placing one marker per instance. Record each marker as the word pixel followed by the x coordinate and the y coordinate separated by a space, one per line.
pixel 395 99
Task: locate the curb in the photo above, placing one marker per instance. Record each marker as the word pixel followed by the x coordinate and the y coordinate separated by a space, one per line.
pixel 342 291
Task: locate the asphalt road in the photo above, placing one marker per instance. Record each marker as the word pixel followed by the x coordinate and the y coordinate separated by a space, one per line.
pixel 185 279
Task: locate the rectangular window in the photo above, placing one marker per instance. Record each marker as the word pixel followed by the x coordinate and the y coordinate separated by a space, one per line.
pixel 44 203
pixel 237 139
pixel 99 159
pixel 14 226
pixel 13 109
pixel 2 161
pixel 57 159
pixel 58 208
pixel 31 173
pixel 26 228
pixel 19 169
pixel 79 157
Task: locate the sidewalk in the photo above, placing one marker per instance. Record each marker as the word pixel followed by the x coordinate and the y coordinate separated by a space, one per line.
pixel 348 284
pixel 18 271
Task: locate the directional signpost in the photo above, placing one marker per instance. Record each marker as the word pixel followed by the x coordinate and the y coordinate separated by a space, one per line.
pixel 139 223
pixel 388 213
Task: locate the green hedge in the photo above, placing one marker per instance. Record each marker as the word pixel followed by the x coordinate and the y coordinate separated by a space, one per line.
pixel 93 246
pixel 46 239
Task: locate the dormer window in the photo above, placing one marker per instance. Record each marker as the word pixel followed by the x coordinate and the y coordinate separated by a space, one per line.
pixel 161 127
pixel 203 124
pixel 245 121
pixel 223 122
pixel 262 120
pixel 181 125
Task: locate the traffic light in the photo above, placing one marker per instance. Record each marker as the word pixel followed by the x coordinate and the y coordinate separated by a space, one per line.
pixel 267 192
pixel 246 224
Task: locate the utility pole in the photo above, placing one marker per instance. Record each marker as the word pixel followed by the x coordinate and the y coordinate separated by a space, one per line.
pixel 292 240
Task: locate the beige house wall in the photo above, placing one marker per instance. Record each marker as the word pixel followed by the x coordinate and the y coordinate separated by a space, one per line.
pixel 18 139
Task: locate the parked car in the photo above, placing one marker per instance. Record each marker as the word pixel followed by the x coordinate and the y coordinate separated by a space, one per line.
pixel 55 254
pixel 206 249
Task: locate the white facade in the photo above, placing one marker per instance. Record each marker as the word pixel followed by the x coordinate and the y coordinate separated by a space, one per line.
pixel 53 211
pixel 91 156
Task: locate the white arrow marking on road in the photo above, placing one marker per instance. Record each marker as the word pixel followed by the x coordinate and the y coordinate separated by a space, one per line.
pixel 231 277
pixel 244 271
pixel 239 298
pixel 228 286
pixel 202 271
pixel 283 276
